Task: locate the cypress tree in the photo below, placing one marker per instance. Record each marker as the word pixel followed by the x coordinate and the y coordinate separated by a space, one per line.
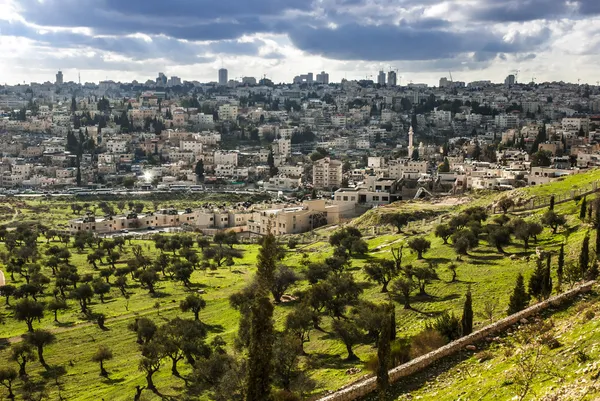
pixel 592 273
pixel 552 202
pixel 583 209
pixel 547 282
pixel 536 281
pixel 383 354
pixel 597 239
pixel 519 298
pixel 560 267
pixel 467 317
pixel 260 350
pixel 584 256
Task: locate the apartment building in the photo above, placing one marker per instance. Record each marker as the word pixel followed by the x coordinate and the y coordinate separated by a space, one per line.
pixel 327 173
pixel 227 158
pixel 228 112
pixel 407 169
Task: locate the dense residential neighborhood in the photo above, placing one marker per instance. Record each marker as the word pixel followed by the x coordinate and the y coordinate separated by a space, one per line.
pixel 354 145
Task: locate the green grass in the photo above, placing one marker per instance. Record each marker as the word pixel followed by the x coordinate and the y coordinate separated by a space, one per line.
pixel 558 373
pixel 489 274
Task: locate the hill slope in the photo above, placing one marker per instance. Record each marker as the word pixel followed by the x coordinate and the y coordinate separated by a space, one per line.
pixel 553 357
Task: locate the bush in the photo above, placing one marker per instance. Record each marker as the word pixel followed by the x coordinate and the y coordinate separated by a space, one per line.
pixel 426 341
pixel 550 341
pixel 582 356
pixel 292 243
pixel 484 356
pixel 589 315
pixel 400 352
pixel 448 325
pixel 283 395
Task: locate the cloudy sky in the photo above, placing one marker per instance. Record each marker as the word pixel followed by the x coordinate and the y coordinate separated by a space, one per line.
pixel 424 39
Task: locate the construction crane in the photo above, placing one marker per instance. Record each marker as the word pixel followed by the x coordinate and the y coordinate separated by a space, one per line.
pixel 516 74
pixel 451 80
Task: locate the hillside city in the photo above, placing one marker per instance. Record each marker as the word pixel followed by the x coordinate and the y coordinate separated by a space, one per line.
pixel 242 240
pixel 355 144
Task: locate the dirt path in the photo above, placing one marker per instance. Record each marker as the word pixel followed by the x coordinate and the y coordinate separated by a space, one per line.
pixel 2 282
pixel 388 244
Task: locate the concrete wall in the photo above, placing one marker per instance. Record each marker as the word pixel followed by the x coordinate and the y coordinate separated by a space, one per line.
pixel 369 385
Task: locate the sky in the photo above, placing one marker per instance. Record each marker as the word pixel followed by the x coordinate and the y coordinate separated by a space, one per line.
pixel 123 40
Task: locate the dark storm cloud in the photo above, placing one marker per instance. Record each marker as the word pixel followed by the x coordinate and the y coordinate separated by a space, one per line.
pixel 390 42
pixel 529 10
pixel 136 48
pixel 366 29
pixel 182 19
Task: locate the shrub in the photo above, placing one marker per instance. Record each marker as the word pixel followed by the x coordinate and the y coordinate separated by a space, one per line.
pixel 484 356
pixel 448 325
pixel 425 342
pixel 582 356
pixel 589 315
pixel 550 341
pixel 292 243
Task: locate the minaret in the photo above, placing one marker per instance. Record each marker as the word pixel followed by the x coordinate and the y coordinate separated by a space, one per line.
pixel 411 148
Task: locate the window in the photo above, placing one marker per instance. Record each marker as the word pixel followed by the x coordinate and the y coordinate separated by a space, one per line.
pixel 385 198
pixel 353 198
pixel 376 199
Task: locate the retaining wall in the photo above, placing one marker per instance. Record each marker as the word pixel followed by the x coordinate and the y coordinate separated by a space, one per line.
pixel 369 385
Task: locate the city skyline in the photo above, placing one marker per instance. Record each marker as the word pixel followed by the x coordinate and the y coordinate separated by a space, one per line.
pixel 474 40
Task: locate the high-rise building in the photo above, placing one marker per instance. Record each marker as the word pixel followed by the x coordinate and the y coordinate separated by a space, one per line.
pixel 304 79
pixel 222 76
pixel 510 80
pixel 327 173
pixel 174 81
pixel 444 83
pixel 391 78
pixel 249 81
pixel 323 78
pixel 162 79
pixel 381 78
pixel 59 78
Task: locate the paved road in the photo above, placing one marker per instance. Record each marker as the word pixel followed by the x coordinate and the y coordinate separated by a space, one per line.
pixel 1 278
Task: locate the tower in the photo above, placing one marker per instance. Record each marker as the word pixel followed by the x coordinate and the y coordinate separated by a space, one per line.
pixel 222 76
pixel 411 147
pixel 391 78
pixel 59 78
pixel 381 78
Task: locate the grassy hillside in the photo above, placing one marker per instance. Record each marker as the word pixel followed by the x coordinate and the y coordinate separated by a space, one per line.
pixel 553 357
pixel 489 274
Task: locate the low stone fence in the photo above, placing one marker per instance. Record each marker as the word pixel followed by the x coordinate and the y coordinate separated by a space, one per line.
pixel 369 385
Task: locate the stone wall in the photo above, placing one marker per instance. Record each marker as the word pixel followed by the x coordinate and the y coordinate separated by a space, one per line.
pixel 369 385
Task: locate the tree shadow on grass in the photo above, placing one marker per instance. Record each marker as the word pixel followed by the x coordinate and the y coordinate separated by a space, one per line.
pixel 237 271
pixel 424 313
pixel 110 381
pixel 474 256
pixel 193 286
pixel 328 361
pixel 160 294
pixel 433 298
pixel 214 328
pixel 65 324
pixel 438 261
pixel 4 343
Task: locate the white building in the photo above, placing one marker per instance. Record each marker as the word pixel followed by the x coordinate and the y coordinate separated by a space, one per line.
pixel 327 173
pixel 226 158
pixel 228 112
